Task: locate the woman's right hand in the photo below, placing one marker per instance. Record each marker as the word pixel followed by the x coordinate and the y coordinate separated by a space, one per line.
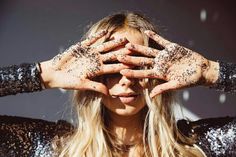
pixel 76 66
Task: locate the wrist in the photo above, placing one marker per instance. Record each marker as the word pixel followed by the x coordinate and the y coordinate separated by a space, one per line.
pixel 46 74
pixel 211 74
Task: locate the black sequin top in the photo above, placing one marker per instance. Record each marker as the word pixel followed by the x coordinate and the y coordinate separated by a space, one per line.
pixel 227 77
pixel 215 136
pixel 26 137
pixel 20 79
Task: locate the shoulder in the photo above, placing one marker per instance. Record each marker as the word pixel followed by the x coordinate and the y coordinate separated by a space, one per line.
pixel 21 136
pixel 215 136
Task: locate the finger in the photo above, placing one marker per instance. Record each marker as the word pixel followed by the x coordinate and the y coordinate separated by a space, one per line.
pixel 114 68
pixel 89 41
pixel 147 51
pixel 171 85
pixel 160 40
pixel 138 61
pixel 141 74
pixel 95 86
pixel 111 44
pixel 62 59
pixel 112 56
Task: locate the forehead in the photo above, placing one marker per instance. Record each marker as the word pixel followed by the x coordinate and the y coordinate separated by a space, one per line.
pixel 132 35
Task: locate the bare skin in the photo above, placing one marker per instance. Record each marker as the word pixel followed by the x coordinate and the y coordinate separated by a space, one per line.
pixel 125 117
pixel 178 66
pixel 75 67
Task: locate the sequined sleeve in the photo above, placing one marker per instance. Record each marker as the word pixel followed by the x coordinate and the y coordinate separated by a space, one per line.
pixel 27 137
pixel 227 77
pixel 19 78
pixel 215 136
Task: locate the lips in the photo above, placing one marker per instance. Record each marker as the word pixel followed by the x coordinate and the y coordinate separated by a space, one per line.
pixel 126 97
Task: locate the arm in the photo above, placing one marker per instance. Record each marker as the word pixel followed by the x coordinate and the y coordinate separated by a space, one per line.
pixel 73 69
pixel 30 137
pixel 178 66
pixel 215 136
pixel 18 79
pixel 222 76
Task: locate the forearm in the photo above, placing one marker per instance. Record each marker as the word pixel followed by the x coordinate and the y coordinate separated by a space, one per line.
pixel 227 77
pixel 20 79
pixel 222 76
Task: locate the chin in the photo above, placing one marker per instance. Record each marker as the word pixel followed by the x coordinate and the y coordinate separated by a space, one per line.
pixel 127 111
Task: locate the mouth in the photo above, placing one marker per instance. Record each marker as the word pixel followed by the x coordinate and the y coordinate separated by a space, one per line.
pixel 126 98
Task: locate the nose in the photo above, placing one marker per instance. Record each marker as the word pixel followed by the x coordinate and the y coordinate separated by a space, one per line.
pixel 124 81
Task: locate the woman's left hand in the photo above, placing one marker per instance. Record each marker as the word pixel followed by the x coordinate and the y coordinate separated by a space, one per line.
pixel 179 66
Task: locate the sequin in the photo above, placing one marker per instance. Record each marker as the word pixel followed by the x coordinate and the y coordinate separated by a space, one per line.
pixel 215 136
pixel 227 77
pixel 26 137
pixel 19 78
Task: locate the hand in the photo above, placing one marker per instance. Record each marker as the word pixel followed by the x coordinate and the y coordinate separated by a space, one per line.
pixel 178 66
pixel 75 67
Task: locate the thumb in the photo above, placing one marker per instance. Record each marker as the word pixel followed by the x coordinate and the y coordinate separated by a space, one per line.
pixel 95 86
pixel 163 88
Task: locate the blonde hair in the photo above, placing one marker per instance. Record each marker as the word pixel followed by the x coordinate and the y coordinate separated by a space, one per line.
pixel 91 137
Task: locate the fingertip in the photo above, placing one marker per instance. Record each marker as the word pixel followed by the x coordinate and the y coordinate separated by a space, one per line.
pixel 123 40
pixel 129 46
pixel 103 89
pixel 103 32
pixel 155 93
pixel 121 57
pixel 149 32
pixel 152 94
pixel 105 92
pixel 127 52
pixel 123 71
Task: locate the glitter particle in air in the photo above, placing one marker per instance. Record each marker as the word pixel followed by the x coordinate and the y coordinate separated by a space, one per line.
pixel 186 95
pixel 203 15
pixel 222 98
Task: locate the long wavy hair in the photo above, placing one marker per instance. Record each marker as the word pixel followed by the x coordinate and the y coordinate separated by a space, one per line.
pixel 91 136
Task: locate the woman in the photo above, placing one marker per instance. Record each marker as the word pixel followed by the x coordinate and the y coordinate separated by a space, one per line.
pixel 135 70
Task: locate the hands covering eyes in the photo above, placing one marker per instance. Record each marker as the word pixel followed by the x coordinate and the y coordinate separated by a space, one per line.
pixel 178 66
pixel 76 66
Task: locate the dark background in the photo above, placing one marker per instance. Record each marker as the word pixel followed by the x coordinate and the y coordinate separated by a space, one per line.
pixel 33 31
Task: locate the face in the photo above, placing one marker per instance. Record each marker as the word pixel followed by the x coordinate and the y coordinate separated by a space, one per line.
pixel 125 94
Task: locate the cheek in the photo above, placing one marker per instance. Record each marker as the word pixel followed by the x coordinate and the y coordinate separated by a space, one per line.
pixel 106 100
pixel 111 81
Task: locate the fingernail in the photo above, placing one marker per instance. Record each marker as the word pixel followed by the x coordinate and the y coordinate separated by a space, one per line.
pixel 130 46
pixel 119 57
pixel 149 32
pixel 146 31
pixel 122 40
pixel 151 95
pixel 123 71
pixel 103 31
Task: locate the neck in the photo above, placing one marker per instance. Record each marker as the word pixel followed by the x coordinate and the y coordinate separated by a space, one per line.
pixel 128 129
